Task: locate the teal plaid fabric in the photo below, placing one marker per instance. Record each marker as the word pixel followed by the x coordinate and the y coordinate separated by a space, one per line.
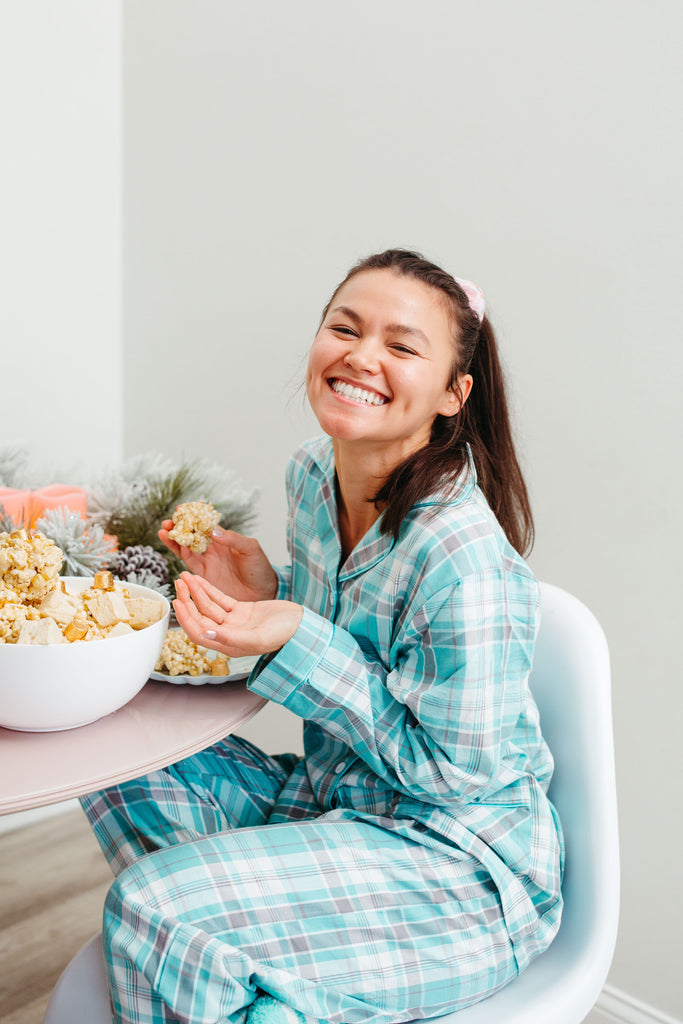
pixel 410 862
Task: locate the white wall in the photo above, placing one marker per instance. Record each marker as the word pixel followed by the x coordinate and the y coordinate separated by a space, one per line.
pixel 60 232
pixel 61 342
pixel 531 146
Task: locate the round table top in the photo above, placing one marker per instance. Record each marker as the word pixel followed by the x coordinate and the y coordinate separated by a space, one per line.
pixel 162 724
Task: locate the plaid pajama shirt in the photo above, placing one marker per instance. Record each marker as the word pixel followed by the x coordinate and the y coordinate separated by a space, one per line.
pixel 409 864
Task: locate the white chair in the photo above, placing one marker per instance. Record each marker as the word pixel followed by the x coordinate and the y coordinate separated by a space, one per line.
pixel 571 683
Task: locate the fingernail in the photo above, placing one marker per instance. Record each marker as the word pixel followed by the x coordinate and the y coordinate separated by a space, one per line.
pixel 209 635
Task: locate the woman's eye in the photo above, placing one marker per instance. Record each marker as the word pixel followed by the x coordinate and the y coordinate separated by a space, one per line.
pixel 344 330
pixel 404 349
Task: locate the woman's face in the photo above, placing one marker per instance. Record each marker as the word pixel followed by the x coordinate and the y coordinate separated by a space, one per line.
pixel 380 367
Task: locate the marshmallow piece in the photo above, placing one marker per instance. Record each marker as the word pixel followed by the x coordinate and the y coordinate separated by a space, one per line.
pixel 143 611
pixel 40 631
pixel 108 608
pixel 59 606
pixel 120 629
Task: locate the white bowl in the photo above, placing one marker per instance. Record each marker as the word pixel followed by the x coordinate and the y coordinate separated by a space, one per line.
pixel 44 688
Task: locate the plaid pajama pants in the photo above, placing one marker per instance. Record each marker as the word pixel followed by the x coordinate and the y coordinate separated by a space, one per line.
pixel 226 890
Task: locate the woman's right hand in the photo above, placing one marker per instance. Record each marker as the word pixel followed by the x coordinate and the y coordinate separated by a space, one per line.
pixel 236 565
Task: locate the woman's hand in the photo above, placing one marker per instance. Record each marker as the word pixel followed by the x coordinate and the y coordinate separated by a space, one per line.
pixel 235 628
pixel 235 564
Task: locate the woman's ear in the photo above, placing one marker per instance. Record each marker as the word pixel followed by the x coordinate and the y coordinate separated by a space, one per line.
pixel 465 380
pixel 457 395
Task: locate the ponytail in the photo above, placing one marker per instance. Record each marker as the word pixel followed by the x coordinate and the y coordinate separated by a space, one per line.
pixel 486 428
pixel 481 427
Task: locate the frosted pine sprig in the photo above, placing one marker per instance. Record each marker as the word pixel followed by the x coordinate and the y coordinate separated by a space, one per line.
pixel 7 524
pixel 85 548
pixel 132 503
pixel 146 578
pixel 13 459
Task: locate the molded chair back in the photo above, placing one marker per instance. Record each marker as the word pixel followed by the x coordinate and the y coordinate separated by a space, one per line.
pixel 570 681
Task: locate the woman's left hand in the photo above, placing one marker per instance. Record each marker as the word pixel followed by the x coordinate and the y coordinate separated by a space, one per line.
pixel 235 628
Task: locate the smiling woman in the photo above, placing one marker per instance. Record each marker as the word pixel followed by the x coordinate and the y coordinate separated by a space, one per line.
pixel 411 864
pixel 405 319
pixel 362 347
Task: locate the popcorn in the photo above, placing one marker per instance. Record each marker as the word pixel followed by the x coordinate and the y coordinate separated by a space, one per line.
pixel 192 525
pixel 36 608
pixel 29 564
pixel 13 615
pixel 181 656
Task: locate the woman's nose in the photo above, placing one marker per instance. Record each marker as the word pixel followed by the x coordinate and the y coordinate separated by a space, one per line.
pixel 363 355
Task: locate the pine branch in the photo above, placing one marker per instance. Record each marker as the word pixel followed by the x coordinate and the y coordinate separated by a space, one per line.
pixel 13 459
pixel 7 524
pixel 145 578
pixel 85 548
pixel 133 503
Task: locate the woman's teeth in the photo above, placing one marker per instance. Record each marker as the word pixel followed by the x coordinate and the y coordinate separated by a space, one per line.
pixel 357 394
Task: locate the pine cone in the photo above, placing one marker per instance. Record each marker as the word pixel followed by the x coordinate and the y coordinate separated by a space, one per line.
pixel 140 558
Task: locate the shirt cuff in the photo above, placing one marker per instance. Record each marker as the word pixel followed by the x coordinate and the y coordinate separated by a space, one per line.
pixel 278 677
pixel 284 576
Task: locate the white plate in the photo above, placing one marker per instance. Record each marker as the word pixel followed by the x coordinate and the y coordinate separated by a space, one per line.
pixel 239 670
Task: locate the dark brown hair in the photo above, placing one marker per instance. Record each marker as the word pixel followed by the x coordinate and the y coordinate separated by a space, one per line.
pixel 483 422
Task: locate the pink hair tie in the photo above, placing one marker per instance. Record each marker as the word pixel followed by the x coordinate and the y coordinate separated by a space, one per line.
pixel 475 297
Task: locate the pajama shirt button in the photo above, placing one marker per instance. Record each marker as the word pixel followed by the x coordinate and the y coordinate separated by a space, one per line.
pixel 340 767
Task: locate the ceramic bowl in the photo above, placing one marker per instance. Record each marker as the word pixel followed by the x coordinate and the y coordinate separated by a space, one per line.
pixel 61 686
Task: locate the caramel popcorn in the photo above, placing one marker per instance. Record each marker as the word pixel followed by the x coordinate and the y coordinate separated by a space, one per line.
pixel 181 656
pixel 13 615
pixel 36 608
pixel 192 525
pixel 29 564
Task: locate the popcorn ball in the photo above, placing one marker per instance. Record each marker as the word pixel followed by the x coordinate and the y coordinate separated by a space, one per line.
pixel 181 656
pixel 29 565
pixel 192 525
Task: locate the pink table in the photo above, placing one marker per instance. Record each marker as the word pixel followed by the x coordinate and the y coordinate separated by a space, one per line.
pixel 162 724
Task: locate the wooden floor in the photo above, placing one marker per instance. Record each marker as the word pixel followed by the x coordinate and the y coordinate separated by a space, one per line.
pixel 53 880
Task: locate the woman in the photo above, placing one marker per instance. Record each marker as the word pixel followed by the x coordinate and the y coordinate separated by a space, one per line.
pixel 409 864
